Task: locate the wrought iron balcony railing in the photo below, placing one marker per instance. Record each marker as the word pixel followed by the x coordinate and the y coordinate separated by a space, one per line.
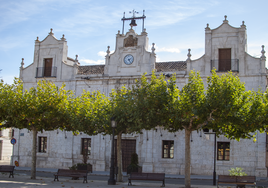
pixel 225 65
pixel 46 72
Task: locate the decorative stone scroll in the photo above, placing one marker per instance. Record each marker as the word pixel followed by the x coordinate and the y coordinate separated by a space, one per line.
pixel 130 41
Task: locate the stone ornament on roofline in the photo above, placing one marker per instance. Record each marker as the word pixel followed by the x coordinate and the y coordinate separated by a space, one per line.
pixel 225 20
pixel 118 32
pixel 207 28
pixel 108 50
pixel 189 54
pixel 76 60
pixel 62 38
pixel 37 39
pixel 263 53
pixel 22 62
pixel 153 48
pixel 243 24
pixel 51 33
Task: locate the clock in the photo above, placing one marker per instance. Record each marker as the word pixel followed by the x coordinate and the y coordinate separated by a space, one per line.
pixel 128 59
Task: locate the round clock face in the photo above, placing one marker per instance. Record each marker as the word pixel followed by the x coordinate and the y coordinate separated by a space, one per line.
pixel 128 59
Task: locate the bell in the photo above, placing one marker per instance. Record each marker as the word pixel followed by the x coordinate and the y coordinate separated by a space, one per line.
pixel 133 23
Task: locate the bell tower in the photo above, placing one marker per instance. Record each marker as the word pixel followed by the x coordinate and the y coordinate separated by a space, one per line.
pixel 131 55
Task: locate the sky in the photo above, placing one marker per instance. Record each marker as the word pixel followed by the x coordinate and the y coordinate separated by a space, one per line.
pixel 90 26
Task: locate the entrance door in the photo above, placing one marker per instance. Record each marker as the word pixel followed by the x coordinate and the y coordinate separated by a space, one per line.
pixel 128 147
pixel 48 67
pixel 225 59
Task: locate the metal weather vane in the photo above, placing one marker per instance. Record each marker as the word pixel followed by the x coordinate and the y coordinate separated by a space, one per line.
pixel 133 11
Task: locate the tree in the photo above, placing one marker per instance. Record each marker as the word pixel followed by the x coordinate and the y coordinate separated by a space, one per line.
pixel 40 108
pixel 152 97
pixel 233 111
pixel 88 113
pixel 187 113
pixel 131 106
pixel 225 106
pixel 121 101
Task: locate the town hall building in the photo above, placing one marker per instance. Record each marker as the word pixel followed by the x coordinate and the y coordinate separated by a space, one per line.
pixel 158 150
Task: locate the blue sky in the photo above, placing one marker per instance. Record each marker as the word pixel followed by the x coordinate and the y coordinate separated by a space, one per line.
pixel 90 26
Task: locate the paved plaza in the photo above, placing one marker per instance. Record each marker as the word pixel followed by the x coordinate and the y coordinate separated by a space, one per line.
pixel 25 181
pixel 45 178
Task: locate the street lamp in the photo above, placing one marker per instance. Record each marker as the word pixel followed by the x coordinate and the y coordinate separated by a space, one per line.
pixel 112 181
pixel 215 142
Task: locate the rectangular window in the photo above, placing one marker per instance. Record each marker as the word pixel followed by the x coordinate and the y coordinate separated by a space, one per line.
pixel 42 144
pixel 223 151
pixel 168 149
pixel 86 146
pixel 47 67
pixel 225 59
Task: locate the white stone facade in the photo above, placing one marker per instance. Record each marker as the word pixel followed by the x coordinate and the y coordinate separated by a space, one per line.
pixel 64 148
pixel 6 148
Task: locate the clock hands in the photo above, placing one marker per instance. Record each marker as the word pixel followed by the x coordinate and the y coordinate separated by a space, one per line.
pixel 128 59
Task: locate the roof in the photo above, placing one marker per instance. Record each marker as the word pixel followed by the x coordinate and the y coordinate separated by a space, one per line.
pixel 91 69
pixel 71 59
pixel 172 66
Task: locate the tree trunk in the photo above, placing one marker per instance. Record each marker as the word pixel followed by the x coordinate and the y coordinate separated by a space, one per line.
pixel 33 168
pixel 119 158
pixel 187 159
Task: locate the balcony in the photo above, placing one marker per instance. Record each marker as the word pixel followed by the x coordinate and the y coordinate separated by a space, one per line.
pixel 46 72
pixel 225 65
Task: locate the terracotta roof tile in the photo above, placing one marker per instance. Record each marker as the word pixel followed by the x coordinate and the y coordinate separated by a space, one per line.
pixel 171 66
pixel 93 69
pixel 71 59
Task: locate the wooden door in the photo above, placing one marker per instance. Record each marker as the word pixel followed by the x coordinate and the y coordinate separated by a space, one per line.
pixel 225 59
pixel 128 147
pixel 48 67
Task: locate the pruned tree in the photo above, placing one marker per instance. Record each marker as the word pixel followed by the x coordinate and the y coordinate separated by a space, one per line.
pixel 88 113
pixel 224 106
pixel 132 106
pixel 41 108
pixel 121 101
pixel 234 111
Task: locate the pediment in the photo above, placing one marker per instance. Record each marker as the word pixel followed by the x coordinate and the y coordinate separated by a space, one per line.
pixel 50 39
pixel 225 28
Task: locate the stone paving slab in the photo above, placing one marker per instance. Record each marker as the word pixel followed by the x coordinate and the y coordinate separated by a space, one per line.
pixel 22 181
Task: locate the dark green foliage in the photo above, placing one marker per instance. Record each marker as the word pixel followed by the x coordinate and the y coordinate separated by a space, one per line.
pixel 134 159
pixel 134 165
pixel 74 167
